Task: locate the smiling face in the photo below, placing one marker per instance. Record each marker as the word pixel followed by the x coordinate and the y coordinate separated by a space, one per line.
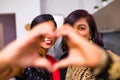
pixel 47 40
pixel 81 27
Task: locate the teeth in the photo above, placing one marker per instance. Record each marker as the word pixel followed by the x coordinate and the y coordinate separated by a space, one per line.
pixel 48 41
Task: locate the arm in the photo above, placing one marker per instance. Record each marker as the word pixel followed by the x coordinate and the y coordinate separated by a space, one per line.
pixel 84 53
pixel 23 52
pixel 8 71
pixel 81 51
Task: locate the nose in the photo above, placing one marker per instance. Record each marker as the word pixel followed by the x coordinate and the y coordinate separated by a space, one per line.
pixel 48 36
pixel 51 36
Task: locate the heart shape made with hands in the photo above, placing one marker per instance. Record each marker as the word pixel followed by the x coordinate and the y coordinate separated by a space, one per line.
pixel 80 50
pixel 24 50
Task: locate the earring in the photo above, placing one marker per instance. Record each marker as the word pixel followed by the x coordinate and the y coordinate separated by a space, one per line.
pixel 90 39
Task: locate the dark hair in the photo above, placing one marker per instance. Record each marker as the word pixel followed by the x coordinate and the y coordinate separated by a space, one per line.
pixel 76 15
pixel 42 18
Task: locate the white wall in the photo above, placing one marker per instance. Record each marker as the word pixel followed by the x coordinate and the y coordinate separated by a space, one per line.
pixel 62 7
pixel 89 5
pixel 25 11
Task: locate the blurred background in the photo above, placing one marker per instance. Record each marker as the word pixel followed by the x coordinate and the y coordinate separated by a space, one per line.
pixel 16 15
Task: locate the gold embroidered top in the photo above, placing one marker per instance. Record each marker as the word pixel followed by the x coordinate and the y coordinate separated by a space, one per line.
pixel 79 73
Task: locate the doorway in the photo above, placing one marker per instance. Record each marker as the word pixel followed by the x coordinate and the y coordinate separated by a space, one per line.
pixel 8 29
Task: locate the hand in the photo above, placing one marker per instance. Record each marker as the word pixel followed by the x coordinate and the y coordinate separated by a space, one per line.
pixel 23 51
pixel 81 51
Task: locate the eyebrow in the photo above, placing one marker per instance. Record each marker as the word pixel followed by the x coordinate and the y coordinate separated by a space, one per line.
pixel 81 25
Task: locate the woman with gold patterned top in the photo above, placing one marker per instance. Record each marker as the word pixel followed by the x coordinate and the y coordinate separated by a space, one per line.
pixel 80 50
pixel 84 24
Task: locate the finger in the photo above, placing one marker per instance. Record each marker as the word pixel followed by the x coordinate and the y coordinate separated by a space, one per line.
pixel 38 32
pixel 66 31
pixel 61 31
pixel 61 64
pixel 43 62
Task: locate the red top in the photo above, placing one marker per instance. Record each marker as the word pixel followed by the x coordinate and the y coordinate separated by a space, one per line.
pixel 56 74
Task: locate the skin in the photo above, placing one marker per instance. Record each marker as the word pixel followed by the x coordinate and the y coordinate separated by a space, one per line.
pixel 80 45
pixel 82 28
pixel 47 41
pixel 79 50
pixel 24 52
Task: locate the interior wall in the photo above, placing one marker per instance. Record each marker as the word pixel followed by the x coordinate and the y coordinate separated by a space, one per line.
pixel 64 7
pixel 25 11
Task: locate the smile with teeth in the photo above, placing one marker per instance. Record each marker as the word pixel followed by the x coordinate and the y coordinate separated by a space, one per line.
pixel 48 41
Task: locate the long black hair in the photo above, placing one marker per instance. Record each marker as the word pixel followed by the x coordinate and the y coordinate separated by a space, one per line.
pixel 76 15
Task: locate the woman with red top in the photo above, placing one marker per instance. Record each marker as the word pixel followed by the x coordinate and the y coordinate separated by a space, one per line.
pixel 33 73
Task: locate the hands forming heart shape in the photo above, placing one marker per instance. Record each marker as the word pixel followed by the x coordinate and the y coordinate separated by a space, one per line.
pixel 23 51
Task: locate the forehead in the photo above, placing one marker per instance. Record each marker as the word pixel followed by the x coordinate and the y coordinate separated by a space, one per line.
pixel 81 21
pixel 48 24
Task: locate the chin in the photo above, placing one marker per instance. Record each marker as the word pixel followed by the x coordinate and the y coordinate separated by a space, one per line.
pixel 47 47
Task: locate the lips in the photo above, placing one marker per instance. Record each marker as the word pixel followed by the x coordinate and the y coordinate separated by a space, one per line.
pixel 48 42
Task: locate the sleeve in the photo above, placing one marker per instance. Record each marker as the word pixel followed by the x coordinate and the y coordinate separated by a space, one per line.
pixel 114 70
pixel 8 71
pixel 109 67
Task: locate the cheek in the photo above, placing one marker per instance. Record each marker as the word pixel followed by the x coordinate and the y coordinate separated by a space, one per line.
pixel 87 35
pixel 54 39
pixel 84 34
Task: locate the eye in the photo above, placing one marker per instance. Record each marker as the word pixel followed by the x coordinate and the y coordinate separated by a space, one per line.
pixel 54 29
pixel 81 27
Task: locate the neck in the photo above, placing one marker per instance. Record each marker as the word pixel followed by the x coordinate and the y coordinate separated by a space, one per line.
pixel 43 51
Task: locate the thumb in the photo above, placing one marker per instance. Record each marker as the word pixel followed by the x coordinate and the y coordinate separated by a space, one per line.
pixel 43 62
pixel 61 64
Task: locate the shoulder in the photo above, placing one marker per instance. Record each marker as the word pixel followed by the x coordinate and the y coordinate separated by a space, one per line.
pixel 113 56
pixel 109 67
pixel 114 70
